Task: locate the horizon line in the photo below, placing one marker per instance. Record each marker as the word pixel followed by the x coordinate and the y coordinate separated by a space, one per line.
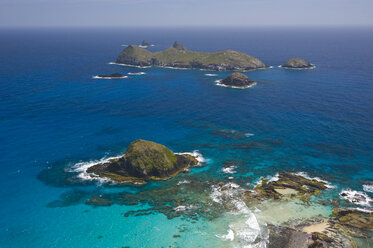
pixel 193 26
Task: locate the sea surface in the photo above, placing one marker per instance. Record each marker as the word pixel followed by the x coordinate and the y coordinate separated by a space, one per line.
pixel 55 117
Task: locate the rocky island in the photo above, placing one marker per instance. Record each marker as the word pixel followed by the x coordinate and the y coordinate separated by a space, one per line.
pixel 237 80
pixel 297 63
pixel 143 161
pixel 145 44
pixel 177 56
pixel 110 76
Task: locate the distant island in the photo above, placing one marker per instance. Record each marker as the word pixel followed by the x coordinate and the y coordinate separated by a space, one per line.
pixel 236 80
pixel 144 160
pixel 177 56
pixel 145 44
pixel 297 63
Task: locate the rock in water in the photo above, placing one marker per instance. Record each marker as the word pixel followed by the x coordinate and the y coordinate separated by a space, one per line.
pixel 237 80
pixel 144 43
pixel 113 75
pixel 144 161
pixel 177 56
pixel 355 218
pixel 297 63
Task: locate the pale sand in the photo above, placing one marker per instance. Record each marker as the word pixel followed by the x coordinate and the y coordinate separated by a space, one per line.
pixel 287 191
pixel 319 227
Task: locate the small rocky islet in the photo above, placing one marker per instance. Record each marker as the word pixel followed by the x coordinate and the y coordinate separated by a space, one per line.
pixel 144 160
pixel 111 76
pixel 145 43
pixel 237 80
pixel 297 63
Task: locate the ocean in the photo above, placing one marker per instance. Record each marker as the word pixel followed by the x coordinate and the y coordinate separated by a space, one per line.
pixel 55 117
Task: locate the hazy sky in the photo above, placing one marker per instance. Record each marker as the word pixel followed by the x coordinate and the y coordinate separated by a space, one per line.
pixel 185 12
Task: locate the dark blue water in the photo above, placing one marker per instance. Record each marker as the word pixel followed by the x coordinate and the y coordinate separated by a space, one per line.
pixel 53 114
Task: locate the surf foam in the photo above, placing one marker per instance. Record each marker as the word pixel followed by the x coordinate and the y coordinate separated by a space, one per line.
pixel 356 197
pixel 368 187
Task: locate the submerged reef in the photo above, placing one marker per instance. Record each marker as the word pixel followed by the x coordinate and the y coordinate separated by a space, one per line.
pixel 143 161
pixel 177 56
pixel 297 63
pixel 237 80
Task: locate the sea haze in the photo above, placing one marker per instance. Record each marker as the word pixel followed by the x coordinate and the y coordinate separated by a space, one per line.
pixel 53 114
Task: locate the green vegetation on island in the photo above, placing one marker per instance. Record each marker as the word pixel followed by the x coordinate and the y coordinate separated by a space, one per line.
pixel 144 161
pixel 177 56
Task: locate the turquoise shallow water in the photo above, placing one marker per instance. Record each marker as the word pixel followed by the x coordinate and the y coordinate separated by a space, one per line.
pixel 53 115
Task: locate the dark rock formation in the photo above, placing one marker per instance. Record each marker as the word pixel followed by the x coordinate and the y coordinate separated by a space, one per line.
pixel 297 63
pixel 237 80
pixel 287 185
pixel 178 46
pixel 281 236
pixel 321 237
pixel 144 161
pixel 355 218
pixel 177 56
pixel 144 43
pixel 113 75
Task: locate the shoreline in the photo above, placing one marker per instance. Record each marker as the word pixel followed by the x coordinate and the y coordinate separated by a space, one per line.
pixel 292 68
pixel 98 77
pixel 191 68
pixel 218 83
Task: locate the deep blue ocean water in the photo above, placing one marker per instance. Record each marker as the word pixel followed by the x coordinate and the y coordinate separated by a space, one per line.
pixel 53 115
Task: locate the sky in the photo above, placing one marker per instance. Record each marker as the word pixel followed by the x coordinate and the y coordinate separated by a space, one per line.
pixel 174 13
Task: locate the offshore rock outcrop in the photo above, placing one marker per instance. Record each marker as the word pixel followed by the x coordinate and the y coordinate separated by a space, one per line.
pixel 145 43
pixel 111 76
pixel 237 80
pixel 297 63
pixel 177 56
pixel 144 161
pixel 287 185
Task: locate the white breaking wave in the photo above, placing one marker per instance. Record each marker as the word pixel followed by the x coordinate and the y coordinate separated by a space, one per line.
pixel 244 229
pixel 211 75
pixel 368 187
pixel 305 175
pixel 141 46
pixel 269 178
pixel 201 160
pixel 184 208
pixel 229 236
pixel 310 68
pixel 356 197
pixel 98 77
pixel 248 134
pixel 229 170
pixel 82 167
pixel 183 182
pixel 136 73
pixel 137 66
pixel 219 83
